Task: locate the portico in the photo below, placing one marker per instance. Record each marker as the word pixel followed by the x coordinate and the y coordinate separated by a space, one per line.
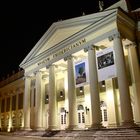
pixel 59 100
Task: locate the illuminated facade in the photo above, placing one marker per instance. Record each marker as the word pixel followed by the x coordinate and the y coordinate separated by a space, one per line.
pixel 84 73
pixel 11 102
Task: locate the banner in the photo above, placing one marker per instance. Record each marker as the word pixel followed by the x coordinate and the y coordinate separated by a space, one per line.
pixel 106 64
pixel 81 73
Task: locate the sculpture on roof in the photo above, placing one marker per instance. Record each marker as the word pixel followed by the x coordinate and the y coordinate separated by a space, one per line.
pixel 101 5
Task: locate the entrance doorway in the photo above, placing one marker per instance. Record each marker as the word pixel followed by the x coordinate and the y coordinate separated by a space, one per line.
pixel 81 117
pixel 104 113
pixel 63 118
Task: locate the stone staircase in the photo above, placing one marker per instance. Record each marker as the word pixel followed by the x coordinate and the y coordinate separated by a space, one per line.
pixel 101 134
pixel 29 133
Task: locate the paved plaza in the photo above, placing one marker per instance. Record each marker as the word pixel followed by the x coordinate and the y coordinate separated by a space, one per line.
pixel 66 138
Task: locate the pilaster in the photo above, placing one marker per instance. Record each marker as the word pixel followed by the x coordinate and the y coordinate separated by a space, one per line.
pixel 0 111
pixel 111 103
pixel 135 77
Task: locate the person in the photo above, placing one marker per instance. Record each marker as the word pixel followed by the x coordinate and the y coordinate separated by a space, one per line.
pixel 101 5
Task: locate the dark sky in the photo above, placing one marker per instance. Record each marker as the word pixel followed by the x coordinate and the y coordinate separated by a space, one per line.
pixel 24 22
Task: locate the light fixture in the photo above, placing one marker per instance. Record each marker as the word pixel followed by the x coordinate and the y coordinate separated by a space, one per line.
pixel 81 89
pixel 66 112
pixel 61 94
pixel 47 97
pixel 103 83
pixel 87 109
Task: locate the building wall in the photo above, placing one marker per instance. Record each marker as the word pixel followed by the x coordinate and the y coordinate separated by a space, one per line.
pixel 11 100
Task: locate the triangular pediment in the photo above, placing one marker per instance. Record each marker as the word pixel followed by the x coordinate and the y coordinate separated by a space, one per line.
pixel 62 31
pixel 59 35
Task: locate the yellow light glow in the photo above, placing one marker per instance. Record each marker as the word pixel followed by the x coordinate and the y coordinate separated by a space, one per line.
pixel 109 95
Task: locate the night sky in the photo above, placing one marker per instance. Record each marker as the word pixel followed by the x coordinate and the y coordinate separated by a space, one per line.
pixel 24 22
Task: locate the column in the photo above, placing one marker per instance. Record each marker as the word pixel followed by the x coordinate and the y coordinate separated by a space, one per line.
pixel 94 89
pixel 139 51
pixel 5 115
pixel 38 101
pixel 17 118
pixel 10 118
pixel 71 95
pixel 66 95
pixel 26 106
pixel 111 103
pixel 52 99
pixel 125 102
pixel 32 110
pixel 135 76
pixel 43 105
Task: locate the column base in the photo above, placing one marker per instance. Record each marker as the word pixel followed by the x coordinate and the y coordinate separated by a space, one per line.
pixel 52 127
pixel 39 129
pixel 128 124
pixel 27 129
pixel 112 125
pixel 72 127
pixel 96 126
pixel 138 123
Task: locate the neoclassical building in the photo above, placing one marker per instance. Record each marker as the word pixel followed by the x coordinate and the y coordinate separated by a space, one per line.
pixel 84 73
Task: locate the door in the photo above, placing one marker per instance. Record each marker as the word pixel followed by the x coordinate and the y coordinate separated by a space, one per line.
pixel 63 119
pixel 81 117
pixel 104 114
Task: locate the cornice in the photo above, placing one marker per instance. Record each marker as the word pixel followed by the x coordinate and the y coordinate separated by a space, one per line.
pixel 126 20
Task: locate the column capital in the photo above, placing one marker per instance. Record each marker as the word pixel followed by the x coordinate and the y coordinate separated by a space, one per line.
pixel 91 47
pixel 132 44
pixel 38 71
pixel 50 65
pixel 27 77
pixel 113 36
pixel 68 57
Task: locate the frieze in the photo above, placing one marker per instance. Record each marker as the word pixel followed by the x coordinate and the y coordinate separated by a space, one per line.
pixel 63 51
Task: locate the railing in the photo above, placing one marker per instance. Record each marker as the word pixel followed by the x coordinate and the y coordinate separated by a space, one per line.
pixel 136 15
pixel 12 78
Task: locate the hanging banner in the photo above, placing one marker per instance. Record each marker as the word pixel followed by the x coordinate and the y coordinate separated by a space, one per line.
pixel 81 73
pixel 106 64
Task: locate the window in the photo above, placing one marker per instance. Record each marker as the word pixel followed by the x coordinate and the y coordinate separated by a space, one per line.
pixel 79 118
pixel 46 93
pixel 8 105
pixel 34 96
pixel 14 102
pixel 2 105
pixel 20 101
pixel 83 117
pixel 105 115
